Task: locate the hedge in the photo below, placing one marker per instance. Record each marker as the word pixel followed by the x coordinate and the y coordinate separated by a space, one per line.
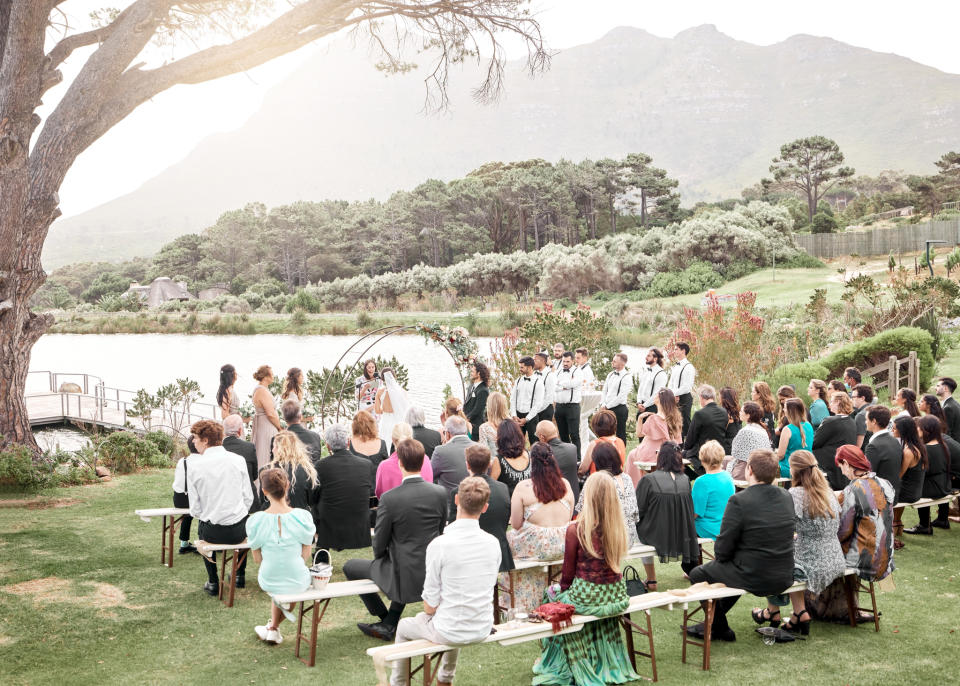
pixel 797 375
pixel 876 349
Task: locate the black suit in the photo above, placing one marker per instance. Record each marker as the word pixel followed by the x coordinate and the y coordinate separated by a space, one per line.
pixel 886 454
pixel 566 457
pixel 951 410
pixel 408 518
pixel 429 438
pixel 310 439
pixel 708 424
pixel 832 433
pixel 343 505
pixel 248 451
pixel 475 407
pixel 495 520
pixel 754 549
pixel 301 495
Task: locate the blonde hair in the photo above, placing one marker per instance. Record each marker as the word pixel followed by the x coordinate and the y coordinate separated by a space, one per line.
pixel 498 408
pixel 263 371
pixel 453 407
pixel 602 516
pixel 805 473
pixel 289 451
pixel 844 404
pixel 401 430
pixel 711 454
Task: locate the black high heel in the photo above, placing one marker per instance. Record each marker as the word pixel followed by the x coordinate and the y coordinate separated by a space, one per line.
pixel 762 616
pixel 794 625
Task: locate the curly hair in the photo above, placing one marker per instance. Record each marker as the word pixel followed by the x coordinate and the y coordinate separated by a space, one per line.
pixel 545 474
pixel 509 439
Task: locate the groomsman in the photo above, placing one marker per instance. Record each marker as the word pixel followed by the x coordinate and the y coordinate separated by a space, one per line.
pixel 544 411
pixel 567 395
pixel 616 388
pixel 582 358
pixel 557 362
pixel 652 379
pixel 682 377
pixel 527 395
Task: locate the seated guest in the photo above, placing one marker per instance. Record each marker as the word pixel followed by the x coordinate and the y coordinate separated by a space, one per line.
pixel 604 425
pixel 654 430
pixel 409 517
pixel 564 453
pixel 512 463
pixel 280 539
pixel 709 423
pixel 290 455
pixel 461 571
pixel 591 581
pixel 220 497
pixel 817 392
pixel 666 518
pixel 232 443
pixel 453 407
pixel 761 394
pixel 389 474
pixel 498 410
pixel 936 479
pixel 712 490
pixel 754 549
pixel 913 464
pixel 883 451
pixel 343 494
pixel 906 400
pixel 448 462
pixel 430 438
pixel 181 498
pixel 753 436
pixel 729 402
pixel 817 557
pixel 365 441
pixel 293 416
pixel 839 429
pixel 930 404
pixel 540 509
pixel 496 517
pixel 861 395
pixel 606 459
pixel 796 433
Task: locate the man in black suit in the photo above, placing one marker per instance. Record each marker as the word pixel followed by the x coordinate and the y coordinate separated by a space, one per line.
pixel 564 453
pixel 342 513
pixel 709 423
pixel 408 518
pixel 475 405
pixel 861 396
pixel 754 549
pixel 497 515
pixel 884 451
pixel 951 408
pixel 232 428
pixel 293 416
pixel 429 438
pixel 449 462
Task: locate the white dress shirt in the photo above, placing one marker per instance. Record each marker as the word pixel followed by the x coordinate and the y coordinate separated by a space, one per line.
pixel 682 377
pixel 527 395
pixel 651 381
pixel 219 486
pixel 180 476
pixel 569 385
pixel 549 381
pixel 587 376
pixel 461 571
pixel 616 388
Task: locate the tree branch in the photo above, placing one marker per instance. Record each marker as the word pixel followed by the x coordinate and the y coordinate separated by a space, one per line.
pixel 62 50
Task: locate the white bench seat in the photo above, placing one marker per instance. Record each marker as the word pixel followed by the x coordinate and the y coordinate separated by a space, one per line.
pixel 171 518
pixel 929 502
pixel 854 586
pixel 339 589
pixel 231 553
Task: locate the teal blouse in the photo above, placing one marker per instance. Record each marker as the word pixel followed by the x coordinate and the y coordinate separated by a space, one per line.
pixel 818 412
pixel 279 538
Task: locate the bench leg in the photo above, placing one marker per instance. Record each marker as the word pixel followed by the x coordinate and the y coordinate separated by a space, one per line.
pixel 870 590
pixel 629 626
pixel 224 557
pixel 316 614
pixel 430 669
pixel 170 526
pixel 507 591
pixel 850 591
pixel 707 606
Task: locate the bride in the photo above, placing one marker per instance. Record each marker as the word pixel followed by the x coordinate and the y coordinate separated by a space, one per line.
pixel 391 404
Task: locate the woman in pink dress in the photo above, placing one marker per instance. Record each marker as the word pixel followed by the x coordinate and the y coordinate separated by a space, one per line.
pixel 654 430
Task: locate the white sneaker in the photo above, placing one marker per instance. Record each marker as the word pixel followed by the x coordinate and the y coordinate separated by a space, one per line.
pixel 261 632
pixel 273 636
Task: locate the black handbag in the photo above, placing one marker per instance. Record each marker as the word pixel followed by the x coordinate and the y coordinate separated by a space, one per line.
pixel 635 585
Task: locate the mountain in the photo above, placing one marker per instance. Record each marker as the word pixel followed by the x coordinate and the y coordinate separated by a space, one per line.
pixel 711 110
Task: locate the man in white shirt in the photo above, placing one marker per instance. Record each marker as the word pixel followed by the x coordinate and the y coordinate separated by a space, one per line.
pixel 682 377
pixel 653 378
pixel 544 411
pixel 526 397
pixel 616 389
pixel 582 360
pixel 461 571
pixel 567 396
pixel 557 362
pixel 220 496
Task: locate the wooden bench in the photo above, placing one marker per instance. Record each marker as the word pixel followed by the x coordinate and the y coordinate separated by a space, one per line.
pixel 231 553
pixel 928 502
pixel 309 600
pixel 705 596
pixel 652 466
pixel 854 586
pixel 779 481
pixel 171 517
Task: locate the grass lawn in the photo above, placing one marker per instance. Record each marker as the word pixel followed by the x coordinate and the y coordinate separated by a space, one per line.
pixel 789 287
pixel 83 599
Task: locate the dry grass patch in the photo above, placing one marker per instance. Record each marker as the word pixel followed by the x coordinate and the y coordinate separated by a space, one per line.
pixel 52 589
pixel 39 503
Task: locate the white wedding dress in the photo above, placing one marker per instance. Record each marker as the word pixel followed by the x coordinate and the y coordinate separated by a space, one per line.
pixel 400 403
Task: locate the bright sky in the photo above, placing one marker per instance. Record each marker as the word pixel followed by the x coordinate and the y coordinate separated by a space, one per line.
pixel 164 130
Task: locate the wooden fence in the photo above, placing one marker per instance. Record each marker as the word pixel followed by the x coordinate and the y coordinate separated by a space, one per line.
pixel 898 240
pixel 894 376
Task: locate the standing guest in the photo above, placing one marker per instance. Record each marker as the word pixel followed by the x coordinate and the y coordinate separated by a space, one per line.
pixel 784 393
pixel 266 422
pixel 861 395
pixel 557 361
pixel 616 389
pixel 293 386
pixel 936 480
pixel 512 464
pixel 711 491
pixel 227 399
pixel 754 549
pixel 606 459
pixel 912 466
pixel 852 377
pixel 654 430
pixel 232 428
pixel 666 519
pixel 430 438
pixel 567 394
pixel 389 474
pixel 817 391
pixel 761 394
pixel 884 451
pixel 929 404
pixel 682 377
pixel 834 431
pixel 367 386
pixel 544 411
pixel 181 498
pixel 293 416
pixel 587 377
pixel 527 396
pixel 604 425
pixel 496 518
pixel 461 572
pixel 220 497
pixel 475 405
pixel 498 410
pixel 591 581
pixel 280 538
pixel 290 455
pixel 951 408
pixel 652 379
pixel 753 436
pixel 564 453
pixel 817 555
pixel 343 495
pixel 365 441
pixel 906 400
pixel 709 424
pixel 449 462
pixel 409 517
pixel 729 402
pixel 796 433
pixel 540 508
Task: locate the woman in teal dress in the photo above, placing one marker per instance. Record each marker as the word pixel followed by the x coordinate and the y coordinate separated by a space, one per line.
pixel 795 434
pixel 817 390
pixel 280 538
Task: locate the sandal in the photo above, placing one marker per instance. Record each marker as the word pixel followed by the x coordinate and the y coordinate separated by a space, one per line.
pixel 762 616
pixel 796 625
pixel 651 586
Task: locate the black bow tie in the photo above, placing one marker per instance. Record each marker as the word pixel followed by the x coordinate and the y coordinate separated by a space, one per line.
pixel 526 378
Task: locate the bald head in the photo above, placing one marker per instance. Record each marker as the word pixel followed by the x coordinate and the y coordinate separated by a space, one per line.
pixel 546 431
pixel 233 425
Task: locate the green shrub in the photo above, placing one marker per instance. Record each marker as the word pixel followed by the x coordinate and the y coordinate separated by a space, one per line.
pixel 797 375
pixel 696 278
pixel 303 300
pixel 802 260
pixel 163 442
pixel 947 215
pixel 823 223
pixel 19 472
pixel 124 451
pixel 738 269
pixel 876 349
